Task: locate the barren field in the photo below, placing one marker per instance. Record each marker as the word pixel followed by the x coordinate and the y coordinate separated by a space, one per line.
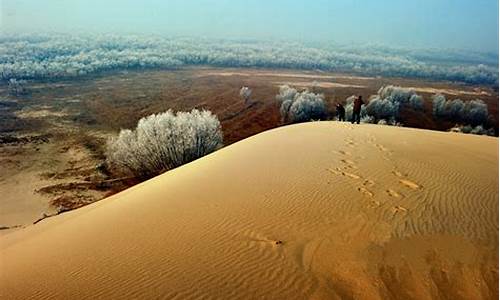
pixel 52 141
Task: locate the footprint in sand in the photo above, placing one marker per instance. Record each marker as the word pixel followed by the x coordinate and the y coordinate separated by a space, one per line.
pixel 382 148
pixel 338 171
pixel 407 183
pixel 393 193
pixel 398 209
pixel 365 192
pixel 344 153
pixel 349 164
pixel 350 175
pixel 350 143
pixel 368 182
pixel 398 174
pixel 410 184
pixel 374 204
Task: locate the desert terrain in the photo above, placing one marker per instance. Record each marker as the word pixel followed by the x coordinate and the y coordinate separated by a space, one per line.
pixel 321 210
pixel 52 140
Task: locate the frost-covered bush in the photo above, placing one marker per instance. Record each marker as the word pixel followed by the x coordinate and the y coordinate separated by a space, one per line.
pixel 367 119
pixel 416 102
pixel 245 93
pixel 299 107
pixel 390 100
pixel 479 130
pixel 41 56
pixel 474 112
pixel 164 141
pixel 17 87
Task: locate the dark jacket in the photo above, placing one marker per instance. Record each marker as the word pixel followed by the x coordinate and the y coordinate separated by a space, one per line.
pixel 340 109
pixel 357 104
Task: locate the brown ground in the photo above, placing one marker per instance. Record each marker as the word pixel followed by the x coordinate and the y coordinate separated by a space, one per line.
pixel 52 140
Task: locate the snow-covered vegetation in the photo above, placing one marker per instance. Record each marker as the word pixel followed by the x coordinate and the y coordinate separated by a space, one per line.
pixel 390 100
pixel 479 130
pixel 296 107
pixel 47 56
pixel 164 141
pixel 474 112
pixel 245 93
pixel 384 107
pixel 470 116
pixel 17 87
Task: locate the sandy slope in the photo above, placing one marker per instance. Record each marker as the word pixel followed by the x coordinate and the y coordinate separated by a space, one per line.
pixel 368 212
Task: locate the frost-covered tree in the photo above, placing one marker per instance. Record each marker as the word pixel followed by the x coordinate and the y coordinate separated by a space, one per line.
pixel 296 107
pixel 17 87
pixel 390 100
pixel 42 56
pixel 245 93
pixel 164 141
pixel 478 130
pixel 474 112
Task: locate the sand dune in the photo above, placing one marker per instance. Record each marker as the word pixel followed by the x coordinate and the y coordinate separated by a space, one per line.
pixel 314 211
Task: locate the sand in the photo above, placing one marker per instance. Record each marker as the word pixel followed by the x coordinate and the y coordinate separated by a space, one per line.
pixel 454 92
pixel 321 84
pixel 314 211
pixel 308 75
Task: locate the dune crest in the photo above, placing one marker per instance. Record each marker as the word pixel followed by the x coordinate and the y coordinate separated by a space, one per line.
pixel 320 210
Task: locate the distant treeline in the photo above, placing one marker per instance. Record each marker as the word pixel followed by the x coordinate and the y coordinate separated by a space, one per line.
pixel 47 56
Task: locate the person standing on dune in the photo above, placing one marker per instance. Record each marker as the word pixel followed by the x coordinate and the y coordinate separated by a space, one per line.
pixel 340 112
pixel 356 112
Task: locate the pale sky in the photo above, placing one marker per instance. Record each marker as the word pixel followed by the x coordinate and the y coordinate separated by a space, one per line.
pixel 460 24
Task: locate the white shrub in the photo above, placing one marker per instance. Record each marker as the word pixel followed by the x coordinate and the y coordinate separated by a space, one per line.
pixel 164 141
pixel 17 87
pixel 299 107
pixel 389 101
pixel 367 119
pixel 474 112
pixel 245 93
pixel 479 130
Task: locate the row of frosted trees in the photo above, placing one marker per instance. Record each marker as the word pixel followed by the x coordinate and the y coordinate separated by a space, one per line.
pixel 47 56
pixel 385 108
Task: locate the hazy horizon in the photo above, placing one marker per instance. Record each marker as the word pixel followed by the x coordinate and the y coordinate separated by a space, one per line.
pixel 466 25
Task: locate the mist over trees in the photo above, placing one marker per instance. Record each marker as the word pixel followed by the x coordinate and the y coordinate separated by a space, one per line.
pixel 48 56
pixel 161 142
pixel 297 107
